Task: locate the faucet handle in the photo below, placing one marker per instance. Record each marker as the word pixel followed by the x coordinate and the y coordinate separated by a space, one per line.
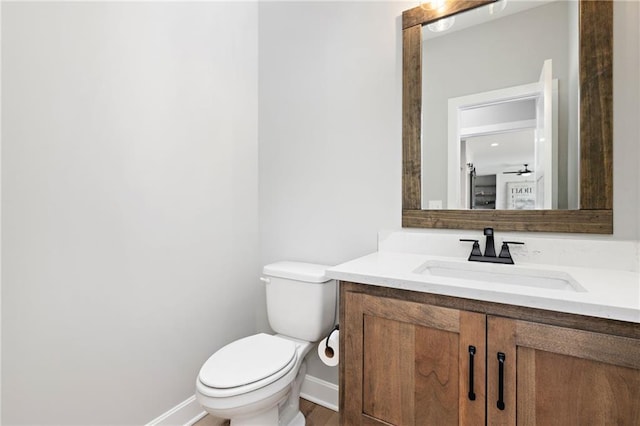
pixel 513 242
pixel 504 251
pixel 475 251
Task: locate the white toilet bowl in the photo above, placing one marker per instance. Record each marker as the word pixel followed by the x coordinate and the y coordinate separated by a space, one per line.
pixel 255 381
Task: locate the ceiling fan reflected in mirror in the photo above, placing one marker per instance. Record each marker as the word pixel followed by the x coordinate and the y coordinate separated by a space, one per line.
pixel 521 172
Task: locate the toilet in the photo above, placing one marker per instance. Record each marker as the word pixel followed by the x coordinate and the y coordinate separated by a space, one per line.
pixel 256 380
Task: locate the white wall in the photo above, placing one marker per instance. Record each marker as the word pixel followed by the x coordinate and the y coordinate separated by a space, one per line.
pixel 626 123
pixel 129 203
pixel 330 130
pixel 631 26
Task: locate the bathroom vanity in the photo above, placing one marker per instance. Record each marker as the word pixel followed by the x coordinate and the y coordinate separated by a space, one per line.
pixel 415 358
pixel 437 348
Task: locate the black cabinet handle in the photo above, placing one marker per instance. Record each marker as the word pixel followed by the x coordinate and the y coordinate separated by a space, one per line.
pixel 501 357
pixel 472 353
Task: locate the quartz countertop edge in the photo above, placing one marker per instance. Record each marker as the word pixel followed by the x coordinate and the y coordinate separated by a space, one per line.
pixel 610 294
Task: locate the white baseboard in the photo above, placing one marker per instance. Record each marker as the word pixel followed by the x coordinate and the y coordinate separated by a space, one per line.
pixel 186 413
pixel 189 411
pixel 320 392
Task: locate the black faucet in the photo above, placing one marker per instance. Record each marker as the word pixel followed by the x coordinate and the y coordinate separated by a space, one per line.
pixel 490 250
pixel 489 247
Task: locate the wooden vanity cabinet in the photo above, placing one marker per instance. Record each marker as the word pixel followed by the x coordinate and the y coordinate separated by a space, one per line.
pixel 561 376
pixel 407 363
pixel 406 360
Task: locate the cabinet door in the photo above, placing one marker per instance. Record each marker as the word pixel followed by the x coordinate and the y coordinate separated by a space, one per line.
pixel 559 376
pixel 407 363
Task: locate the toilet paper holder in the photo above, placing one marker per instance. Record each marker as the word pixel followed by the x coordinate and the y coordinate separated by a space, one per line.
pixel 327 349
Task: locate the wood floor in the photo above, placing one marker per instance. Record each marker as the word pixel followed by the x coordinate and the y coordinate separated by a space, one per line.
pixel 316 415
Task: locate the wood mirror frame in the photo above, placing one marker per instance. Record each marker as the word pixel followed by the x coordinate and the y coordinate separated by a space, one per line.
pixel 595 215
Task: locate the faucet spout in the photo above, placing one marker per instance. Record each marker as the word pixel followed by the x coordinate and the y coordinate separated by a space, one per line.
pixel 490 248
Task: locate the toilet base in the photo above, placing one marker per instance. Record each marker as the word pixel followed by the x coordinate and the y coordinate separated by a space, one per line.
pixel 269 417
pixel 298 420
pixel 284 407
pixel 290 414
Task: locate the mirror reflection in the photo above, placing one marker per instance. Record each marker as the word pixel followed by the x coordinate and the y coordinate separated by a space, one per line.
pixel 500 108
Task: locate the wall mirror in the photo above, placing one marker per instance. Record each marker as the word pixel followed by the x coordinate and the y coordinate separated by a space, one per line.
pixel 524 146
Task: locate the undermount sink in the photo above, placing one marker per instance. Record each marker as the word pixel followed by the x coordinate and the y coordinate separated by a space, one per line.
pixel 501 274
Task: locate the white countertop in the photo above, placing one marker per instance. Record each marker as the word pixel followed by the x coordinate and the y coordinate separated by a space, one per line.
pixel 609 293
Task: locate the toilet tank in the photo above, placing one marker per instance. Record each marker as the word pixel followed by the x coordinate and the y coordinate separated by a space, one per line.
pixel 301 300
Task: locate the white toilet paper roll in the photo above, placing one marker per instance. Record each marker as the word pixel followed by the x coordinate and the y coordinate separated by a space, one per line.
pixel 330 354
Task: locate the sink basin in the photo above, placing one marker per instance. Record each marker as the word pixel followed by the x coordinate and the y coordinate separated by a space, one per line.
pixel 501 274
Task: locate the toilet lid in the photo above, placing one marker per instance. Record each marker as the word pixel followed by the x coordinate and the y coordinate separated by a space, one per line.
pixel 248 360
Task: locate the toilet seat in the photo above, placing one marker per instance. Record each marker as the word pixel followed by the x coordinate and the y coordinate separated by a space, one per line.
pixel 246 365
